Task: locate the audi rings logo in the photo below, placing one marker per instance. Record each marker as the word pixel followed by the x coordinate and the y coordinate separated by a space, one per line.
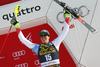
pixel 18 53
pixel 22 65
pixel 81 11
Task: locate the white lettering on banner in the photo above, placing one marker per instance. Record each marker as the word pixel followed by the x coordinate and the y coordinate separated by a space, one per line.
pixel 36 62
pixel 21 12
pixel 18 53
pixel 2 57
pixel 29 37
pixel 16 58
pixel 22 65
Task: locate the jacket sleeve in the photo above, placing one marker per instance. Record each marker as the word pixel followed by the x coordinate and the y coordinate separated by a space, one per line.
pixel 24 40
pixel 62 35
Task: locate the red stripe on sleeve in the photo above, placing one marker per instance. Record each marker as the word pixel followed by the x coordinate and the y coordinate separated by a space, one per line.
pixel 67 20
pixel 18 30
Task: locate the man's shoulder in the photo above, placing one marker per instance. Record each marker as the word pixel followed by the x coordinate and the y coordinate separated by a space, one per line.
pixel 36 46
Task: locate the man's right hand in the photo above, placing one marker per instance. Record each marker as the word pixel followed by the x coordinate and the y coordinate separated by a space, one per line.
pixel 66 14
pixel 15 22
pixel 70 10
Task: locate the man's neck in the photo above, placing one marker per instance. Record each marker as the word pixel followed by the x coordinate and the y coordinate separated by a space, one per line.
pixel 45 43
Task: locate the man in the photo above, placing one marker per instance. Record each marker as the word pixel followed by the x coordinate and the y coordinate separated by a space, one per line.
pixel 47 52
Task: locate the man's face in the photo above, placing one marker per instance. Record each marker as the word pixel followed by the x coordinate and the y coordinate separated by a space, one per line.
pixel 44 38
